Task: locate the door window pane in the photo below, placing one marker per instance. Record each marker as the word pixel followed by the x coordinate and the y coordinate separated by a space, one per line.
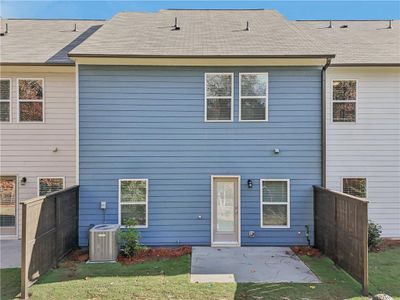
pixel 225 206
pixel 7 202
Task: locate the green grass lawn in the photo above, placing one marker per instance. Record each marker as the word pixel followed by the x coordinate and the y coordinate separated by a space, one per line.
pixel 169 279
pixel 384 272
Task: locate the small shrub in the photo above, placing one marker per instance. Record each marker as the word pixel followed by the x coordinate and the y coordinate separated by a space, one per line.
pixel 129 239
pixel 374 235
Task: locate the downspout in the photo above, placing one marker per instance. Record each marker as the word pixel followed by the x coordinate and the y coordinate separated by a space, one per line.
pixel 323 121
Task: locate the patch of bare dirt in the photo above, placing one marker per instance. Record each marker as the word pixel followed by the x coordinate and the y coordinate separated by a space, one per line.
pixel 76 256
pixel 306 250
pixel 155 253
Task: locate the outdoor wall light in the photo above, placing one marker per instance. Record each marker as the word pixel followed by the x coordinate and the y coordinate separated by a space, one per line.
pixel 23 180
pixel 249 184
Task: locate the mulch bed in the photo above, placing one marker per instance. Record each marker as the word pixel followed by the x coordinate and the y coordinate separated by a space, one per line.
pixel 386 244
pixel 155 253
pixel 305 250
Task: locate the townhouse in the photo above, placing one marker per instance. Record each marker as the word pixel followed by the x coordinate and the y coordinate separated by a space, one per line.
pixel 203 125
pixel 363 113
pixel 37 128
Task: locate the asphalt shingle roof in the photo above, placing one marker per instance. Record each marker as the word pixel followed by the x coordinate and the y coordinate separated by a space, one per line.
pixel 42 41
pixel 202 33
pixel 361 42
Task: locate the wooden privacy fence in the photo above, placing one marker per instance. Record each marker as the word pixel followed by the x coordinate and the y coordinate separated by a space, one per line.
pixel 49 232
pixel 341 231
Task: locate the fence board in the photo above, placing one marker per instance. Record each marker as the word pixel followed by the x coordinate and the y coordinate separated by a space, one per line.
pixel 49 232
pixel 341 231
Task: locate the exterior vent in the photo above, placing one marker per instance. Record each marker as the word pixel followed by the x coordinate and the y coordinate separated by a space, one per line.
pixel 103 245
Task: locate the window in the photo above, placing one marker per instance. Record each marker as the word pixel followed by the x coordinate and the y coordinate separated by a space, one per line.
pixel 253 102
pixel 344 97
pixel 5 100
pixel 47 185
pixel 219 97
pixel 355 186
pixel 133 198
pixel 275 203
pixel 30 100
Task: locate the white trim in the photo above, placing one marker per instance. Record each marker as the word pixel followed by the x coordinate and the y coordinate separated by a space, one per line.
pixel 228 244
pixel 31 100
pixel 50 177
pixel 8 100
pixel 139 203
pixel 77 124
pixel 354 177
pixel 344 101
pixel 253 97
pixel 218 97
pixel 17 207
pixel 288 216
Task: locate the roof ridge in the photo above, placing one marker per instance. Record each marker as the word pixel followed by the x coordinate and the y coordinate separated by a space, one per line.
pixel 348 20
pixel 48 19
pixel 214 9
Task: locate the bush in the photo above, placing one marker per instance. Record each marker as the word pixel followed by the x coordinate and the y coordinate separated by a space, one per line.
pixel 129 239
pixel 374 234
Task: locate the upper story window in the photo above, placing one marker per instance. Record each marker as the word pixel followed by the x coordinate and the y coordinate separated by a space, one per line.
pixel 47 185
pixel 275 203
pixel 253 102
pixel 219 97
pixel 30 100
pixel 355 186
pixel 344 97
pixel 5 100
pixel 133 201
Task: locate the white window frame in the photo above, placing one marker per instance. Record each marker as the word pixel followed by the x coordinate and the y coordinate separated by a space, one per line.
pixel 354 177
pixel 27 100
pixel 275 203
pixel 253 97
pixel 344 101
pixel 8 100
pixel 49 177
pixel 133 203
pixel 218 97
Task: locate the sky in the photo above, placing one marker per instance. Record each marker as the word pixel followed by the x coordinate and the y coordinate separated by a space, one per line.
pixel 293 10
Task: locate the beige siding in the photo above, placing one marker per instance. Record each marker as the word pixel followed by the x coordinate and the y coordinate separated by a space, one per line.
pixel 27 150
pixel 371 147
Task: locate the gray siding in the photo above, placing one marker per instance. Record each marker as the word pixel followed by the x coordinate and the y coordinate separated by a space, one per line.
pixel 371 147
pixel 149 123
pixel 27 148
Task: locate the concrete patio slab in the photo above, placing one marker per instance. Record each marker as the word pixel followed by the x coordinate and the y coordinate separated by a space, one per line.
pixel 249 264
pixel 10 254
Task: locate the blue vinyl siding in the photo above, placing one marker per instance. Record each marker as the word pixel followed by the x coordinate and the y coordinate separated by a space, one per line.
pixel 148 122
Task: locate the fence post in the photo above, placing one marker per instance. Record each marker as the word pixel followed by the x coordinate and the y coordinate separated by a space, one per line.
pixel 335 255
pixel 365 251
pixel 24 257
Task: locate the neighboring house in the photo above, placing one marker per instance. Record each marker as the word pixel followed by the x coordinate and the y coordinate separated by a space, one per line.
pixel 363 113
pixel 37 111
pixel 204 126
